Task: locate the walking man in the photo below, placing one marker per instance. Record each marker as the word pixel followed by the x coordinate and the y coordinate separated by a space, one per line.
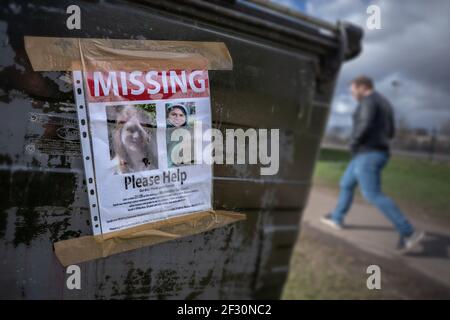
pixel 373 127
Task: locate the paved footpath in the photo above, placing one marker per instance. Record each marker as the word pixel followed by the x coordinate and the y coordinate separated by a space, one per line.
pixel 367 229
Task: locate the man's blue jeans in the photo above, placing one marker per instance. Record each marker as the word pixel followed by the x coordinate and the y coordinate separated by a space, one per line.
pixel 365 169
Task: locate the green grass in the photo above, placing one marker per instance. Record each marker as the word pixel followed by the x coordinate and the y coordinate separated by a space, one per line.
pixel 420 185
pixel 318 271
pixel 325 267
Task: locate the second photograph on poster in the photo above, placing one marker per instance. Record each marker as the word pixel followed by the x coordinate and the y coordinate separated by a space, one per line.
pixel 180 115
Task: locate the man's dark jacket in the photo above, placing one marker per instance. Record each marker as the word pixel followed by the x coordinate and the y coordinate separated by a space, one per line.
pixel 373 124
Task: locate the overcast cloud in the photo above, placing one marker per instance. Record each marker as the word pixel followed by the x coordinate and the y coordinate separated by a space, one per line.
pixel 412 49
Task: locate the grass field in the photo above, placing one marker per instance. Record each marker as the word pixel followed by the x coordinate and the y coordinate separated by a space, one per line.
pixel 320 271
pixel 324 267
pixel 420 186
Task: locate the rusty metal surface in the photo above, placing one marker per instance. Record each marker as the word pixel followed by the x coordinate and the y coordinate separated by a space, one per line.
pixel 42 188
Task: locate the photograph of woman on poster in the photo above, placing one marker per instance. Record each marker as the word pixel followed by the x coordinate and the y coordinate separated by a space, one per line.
pixel 132 135
pixel 179 116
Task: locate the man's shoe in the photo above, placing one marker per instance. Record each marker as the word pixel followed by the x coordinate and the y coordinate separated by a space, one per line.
pixel 330 222
pixel 407 243
pixel 414 239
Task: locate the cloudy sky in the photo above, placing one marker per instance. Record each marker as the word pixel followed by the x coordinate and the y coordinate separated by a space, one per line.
pixel 412 50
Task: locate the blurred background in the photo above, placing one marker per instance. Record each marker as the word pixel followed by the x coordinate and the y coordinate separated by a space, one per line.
pixel 405 50
pixel 407 56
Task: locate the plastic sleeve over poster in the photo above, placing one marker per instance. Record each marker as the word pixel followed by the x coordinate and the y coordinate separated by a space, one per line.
pixel 142 140
pixel 136 84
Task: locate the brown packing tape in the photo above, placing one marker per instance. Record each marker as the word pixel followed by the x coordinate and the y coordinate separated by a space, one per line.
pixel 87 248
pixel 63 54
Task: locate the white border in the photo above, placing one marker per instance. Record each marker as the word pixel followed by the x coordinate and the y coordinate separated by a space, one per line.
pixel 85 137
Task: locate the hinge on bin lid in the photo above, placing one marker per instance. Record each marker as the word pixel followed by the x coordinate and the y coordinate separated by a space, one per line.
pixel 350 36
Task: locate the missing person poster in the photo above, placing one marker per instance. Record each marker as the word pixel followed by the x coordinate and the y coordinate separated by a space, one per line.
pixel 142 136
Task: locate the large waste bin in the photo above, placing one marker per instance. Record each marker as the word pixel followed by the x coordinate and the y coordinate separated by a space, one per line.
pixel 285 67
